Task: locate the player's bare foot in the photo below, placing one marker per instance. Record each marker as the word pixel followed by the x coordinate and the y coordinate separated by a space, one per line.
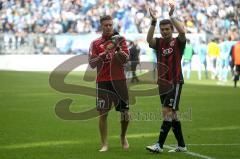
pixel 104 148
pixel 124 142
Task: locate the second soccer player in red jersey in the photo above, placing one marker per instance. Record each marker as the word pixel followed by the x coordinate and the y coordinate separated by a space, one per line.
pixel 169 52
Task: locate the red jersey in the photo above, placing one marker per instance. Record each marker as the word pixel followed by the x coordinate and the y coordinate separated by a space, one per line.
pixel 107 69
pixel 235 52
pixel 169 55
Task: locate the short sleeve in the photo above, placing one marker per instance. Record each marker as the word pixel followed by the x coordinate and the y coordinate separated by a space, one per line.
pixel 182 44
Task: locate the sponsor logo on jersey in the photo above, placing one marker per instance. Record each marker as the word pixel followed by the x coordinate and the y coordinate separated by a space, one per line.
pixel 166 51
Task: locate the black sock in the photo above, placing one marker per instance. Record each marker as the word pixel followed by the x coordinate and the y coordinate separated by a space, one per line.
pixel 166 126
pixel 177 130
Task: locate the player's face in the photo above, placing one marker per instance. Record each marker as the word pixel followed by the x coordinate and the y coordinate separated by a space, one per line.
pixel 107 27
pixel 166 31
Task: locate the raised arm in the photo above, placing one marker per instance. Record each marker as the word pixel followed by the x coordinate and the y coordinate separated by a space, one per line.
pixel 178 25
pixel 151 41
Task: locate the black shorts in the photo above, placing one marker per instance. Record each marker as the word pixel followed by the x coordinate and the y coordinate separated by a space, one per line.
pixel 171 99
pixel 112 92
pixel 237 68
pixel 237 73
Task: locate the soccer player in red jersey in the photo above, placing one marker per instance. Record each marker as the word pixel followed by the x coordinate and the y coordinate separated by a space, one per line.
pixel 108 54
pixel 169 52
pixel 235 54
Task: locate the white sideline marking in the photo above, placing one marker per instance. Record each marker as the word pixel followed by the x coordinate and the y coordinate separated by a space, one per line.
pixel 191 153
pixel 234 127
pixel 236 144
pixel 140 135
pixel 40 144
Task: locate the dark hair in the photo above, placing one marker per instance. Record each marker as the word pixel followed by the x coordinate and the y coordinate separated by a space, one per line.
pixel 165 22
pixel 105 17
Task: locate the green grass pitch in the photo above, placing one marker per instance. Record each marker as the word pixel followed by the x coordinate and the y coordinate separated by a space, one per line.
pixel 29 127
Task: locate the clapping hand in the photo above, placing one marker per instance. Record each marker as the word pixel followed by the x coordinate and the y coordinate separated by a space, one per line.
pixel 172 7
pixel 109 47
pixel 153 14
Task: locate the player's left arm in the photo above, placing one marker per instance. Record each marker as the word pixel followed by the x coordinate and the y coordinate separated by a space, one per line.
pixel 177 24
pixel 122 54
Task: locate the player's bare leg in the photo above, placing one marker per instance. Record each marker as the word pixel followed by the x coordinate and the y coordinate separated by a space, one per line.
pixel 125 117
pixel 103 130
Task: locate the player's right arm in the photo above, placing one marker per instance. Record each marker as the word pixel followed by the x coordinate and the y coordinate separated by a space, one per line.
pixel 152 41
pixel 93 58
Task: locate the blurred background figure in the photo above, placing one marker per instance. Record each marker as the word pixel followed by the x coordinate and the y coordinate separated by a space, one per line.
pixel 228 47
pixel 235 53
pixel 134 60
pixel 201 51
pixel 151 54
pixel 187 59
pixel 225 48
pixel 39 44
pixel 213 52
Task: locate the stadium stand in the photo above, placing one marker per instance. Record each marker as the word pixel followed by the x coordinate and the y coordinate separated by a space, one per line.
pixel 33 26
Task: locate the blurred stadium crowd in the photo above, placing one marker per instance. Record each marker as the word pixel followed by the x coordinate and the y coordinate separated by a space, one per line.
pixel 130 16
pixel 21 18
